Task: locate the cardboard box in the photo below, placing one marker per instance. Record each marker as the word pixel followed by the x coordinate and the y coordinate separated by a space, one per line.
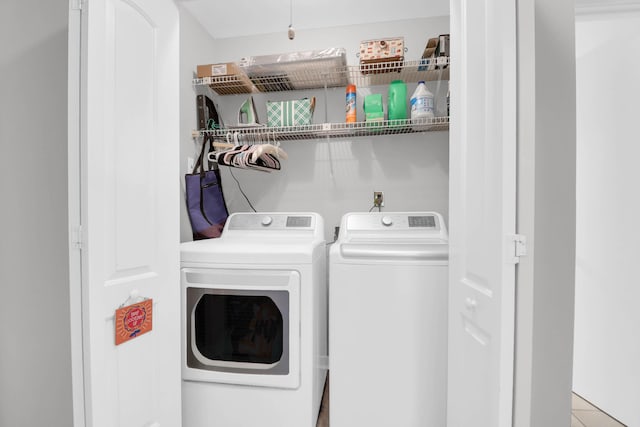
pixel 226 78
pixel 444 48
pixel 436 53
pixel 374 53
pixel 428 61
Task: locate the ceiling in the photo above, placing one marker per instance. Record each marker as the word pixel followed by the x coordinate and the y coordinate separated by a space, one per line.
pixel 237 18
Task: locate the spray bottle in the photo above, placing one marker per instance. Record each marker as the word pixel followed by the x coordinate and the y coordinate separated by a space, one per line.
pixel 351 104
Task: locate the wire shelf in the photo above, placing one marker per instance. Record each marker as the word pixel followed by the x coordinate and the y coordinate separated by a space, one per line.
pixel 264 134
pixel 381 73
pixel 227 85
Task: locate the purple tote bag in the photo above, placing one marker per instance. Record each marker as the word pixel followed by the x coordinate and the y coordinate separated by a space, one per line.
pixel 205 200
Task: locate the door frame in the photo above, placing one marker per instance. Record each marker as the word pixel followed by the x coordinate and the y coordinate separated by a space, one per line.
pixel 74 171
pixel 545 212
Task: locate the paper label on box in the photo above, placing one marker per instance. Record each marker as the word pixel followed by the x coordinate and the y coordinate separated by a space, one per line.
pixel 133 320
pixel 219 70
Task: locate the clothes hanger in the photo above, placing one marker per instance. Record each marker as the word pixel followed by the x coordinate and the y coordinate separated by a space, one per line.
pixel 269 148
pixel 244 155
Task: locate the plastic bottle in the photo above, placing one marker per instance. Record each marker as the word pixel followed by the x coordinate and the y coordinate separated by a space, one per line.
pixel 351 104
pixel 397 100
pixel 422 102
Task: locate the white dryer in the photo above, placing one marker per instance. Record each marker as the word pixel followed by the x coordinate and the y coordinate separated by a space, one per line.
pixel 388 297
pixel 254 323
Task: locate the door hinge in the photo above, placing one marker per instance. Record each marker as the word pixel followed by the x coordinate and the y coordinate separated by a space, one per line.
pixel 75 4
pixel 76 237
pixel 519 247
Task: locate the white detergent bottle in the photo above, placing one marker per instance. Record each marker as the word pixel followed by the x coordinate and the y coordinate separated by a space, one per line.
pixel 421 103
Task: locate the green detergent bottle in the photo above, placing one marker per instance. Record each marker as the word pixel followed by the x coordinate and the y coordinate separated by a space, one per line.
pixel 397 100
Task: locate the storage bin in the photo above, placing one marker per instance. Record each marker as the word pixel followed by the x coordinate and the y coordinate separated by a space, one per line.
pixel 296 112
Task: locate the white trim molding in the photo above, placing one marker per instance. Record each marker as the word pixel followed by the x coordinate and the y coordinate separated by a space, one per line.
pixel 610 6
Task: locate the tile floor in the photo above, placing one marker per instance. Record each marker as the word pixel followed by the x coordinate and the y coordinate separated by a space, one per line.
pixel 583 413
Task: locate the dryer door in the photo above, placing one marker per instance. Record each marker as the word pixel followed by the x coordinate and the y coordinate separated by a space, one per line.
pixel 241 326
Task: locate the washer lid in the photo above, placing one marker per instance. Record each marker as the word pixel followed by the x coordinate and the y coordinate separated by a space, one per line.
pixel 417 251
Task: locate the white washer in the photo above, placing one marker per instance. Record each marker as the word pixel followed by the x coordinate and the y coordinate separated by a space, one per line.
pixel 254 323
pixel 388 320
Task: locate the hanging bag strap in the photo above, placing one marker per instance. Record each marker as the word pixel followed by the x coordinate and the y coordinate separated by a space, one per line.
pixel 198 167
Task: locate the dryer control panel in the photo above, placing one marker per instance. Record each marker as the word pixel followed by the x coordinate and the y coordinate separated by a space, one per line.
pixel 272 221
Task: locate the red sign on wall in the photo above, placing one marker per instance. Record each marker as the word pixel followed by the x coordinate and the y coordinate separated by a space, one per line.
pixel 133 320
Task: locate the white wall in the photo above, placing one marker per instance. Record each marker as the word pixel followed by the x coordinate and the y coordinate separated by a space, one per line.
pixel 607 348
pixel 35 365
pixel 336 176
pixel 195 48
pixel 546 213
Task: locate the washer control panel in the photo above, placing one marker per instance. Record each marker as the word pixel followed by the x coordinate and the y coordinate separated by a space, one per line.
pixel 410 224
pixel 379 221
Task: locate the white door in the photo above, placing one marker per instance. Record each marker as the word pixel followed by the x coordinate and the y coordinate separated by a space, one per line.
pixel 482 213
pixel 129 208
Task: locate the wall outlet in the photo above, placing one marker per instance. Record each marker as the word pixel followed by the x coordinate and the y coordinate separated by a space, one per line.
pixel 190 164
pixel 378 199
